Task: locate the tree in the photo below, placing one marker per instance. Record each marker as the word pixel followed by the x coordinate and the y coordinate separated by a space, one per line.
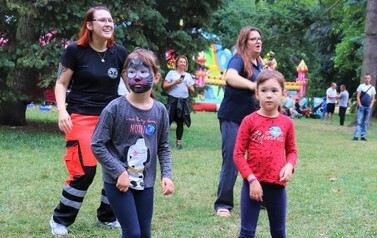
pixel 349 51
pixel 28 65
pixel 327 34
pixel 370 43
pixel 288 30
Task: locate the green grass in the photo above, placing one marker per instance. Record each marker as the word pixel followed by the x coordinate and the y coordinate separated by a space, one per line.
pixel 332 195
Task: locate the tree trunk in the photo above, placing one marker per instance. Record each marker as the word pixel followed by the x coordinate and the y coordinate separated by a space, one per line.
pixel 13 113
pixel 21 81
pixel 22 86
pixel 370 44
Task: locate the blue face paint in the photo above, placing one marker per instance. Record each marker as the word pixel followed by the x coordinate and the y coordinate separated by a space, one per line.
pixel 140 77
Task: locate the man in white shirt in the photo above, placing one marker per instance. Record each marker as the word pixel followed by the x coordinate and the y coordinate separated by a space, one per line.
pixel 331 94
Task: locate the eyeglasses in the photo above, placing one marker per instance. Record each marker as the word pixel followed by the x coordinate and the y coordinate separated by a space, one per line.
pixel 255 39
pixel 104 20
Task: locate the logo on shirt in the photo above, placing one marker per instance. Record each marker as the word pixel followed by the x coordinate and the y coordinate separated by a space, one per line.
pixel 275 131
pixel 150 129
pixel 112 73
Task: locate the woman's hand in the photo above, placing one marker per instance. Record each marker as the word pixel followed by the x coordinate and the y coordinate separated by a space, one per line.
pixel 167 186
pixel 286 173
pixel 123 182
pixel 180 80
pixel 64 121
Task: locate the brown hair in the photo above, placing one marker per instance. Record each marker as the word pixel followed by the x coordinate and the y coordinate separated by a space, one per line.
pixel 241 47
pixel 85 35
pixel 269 74
pixel 181 57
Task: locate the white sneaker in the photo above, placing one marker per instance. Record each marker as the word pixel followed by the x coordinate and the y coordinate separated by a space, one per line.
pixel 58 229
pixel 111 224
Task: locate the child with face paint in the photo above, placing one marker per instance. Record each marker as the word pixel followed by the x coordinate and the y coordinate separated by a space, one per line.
pixel 132 133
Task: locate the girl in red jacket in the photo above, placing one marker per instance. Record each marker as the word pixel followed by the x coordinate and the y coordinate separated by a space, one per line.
pixel 267 138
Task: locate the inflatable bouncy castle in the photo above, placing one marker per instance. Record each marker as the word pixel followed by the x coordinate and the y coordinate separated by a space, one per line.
pixel 209 78
pixel 298 88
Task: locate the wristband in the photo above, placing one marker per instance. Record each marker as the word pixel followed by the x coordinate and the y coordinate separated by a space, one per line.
pixel 252 180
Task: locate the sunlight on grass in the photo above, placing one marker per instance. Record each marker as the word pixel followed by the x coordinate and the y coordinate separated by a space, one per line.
pixel 333 192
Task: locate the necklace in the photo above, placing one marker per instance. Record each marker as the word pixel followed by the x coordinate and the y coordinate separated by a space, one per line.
pixel 102 58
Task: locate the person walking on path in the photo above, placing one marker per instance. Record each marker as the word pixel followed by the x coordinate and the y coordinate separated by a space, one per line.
pixel 239 100
pixel 267 139
pixel 343 103
pixel 365 97
pixel 88 79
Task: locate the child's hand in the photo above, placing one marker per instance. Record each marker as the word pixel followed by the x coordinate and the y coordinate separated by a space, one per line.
pixel 286 173
pixel 123 182
pixel 256 191
pixel 167 186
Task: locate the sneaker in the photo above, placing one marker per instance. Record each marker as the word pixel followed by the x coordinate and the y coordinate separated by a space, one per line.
pixel 179 146
pixel 111 224
pixel 58 229
pixel 355 138
pixel 363 138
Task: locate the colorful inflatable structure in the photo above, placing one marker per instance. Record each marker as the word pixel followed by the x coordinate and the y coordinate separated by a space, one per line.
pixel 210 76
pixel 299 87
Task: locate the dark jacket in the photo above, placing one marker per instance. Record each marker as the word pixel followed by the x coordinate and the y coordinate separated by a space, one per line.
pixel 179 108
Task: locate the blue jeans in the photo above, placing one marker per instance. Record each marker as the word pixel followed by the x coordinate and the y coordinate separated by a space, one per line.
pixel 275 201
pixel 133 210
pixel 362 121
pixel 228 173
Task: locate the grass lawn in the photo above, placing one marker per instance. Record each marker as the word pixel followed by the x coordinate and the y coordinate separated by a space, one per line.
pixel 333 193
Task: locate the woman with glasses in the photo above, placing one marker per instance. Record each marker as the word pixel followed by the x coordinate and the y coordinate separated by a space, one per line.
pixel 88 79
pixel 239 100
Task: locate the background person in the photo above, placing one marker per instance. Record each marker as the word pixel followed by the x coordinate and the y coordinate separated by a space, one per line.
pixel 291 107
pixel 132 132
pixel 90 69
pixel 179 84
pixel 239 100
pixel 365 97
pixel 331 94
pixel 343 103
pixel 267 138
pixel 323 109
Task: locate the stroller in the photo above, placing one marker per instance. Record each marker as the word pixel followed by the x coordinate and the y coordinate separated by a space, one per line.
pixel 317 110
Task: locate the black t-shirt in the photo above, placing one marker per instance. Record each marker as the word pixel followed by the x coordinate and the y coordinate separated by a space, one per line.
pixel 237 102
pixel 94 83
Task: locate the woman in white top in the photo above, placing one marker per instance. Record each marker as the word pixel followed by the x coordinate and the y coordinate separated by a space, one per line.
pixel 179 84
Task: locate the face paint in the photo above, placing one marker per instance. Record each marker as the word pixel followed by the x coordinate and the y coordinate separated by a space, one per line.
pixel 140 78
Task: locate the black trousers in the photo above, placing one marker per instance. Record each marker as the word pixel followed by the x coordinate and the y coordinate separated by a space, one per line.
pixel 342 114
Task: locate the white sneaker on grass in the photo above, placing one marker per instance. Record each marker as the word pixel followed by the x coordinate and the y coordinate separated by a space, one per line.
pixel 111 224
pixel 58 229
